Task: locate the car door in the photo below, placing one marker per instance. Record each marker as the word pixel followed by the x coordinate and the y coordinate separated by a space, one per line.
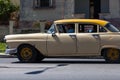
pixel 88 40
pixel 61 43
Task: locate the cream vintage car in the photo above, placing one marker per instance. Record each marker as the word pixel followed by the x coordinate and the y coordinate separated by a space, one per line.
pixel 68 38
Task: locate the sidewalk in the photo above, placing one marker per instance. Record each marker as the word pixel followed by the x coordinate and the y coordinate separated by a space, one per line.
pixel 2 55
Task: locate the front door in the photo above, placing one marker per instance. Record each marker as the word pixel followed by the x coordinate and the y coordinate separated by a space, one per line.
pixel 62 43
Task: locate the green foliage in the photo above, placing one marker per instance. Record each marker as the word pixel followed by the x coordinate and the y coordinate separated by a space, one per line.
pixel 6 8
pixel 2 47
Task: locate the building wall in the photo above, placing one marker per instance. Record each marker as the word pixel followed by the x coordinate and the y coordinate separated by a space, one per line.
pixel 64 9
pixel 30 14
pixel 69 8
pixel 115 8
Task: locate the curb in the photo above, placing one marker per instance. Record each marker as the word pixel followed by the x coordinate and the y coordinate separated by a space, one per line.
pixel 2 55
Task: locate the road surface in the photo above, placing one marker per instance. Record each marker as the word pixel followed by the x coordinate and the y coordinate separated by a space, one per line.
pixel 59 69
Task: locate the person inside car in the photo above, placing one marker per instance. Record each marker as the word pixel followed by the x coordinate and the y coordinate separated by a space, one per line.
pixel 70 29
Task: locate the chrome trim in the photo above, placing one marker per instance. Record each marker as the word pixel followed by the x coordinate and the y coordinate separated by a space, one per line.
pixel 11 51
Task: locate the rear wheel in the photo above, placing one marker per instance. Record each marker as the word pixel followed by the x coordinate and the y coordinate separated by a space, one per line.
pixel 112 55
pixel 27 53
pixel 40 57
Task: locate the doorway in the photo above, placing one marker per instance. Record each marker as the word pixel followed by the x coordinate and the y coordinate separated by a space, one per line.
pixel 95 8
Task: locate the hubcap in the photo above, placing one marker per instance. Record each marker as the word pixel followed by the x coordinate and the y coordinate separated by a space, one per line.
pixel 113 54
pixel 26 53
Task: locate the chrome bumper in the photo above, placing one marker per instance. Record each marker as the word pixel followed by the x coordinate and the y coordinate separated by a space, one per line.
pixel 11 51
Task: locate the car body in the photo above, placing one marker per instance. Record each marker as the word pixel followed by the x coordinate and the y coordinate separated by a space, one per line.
pixel 89 37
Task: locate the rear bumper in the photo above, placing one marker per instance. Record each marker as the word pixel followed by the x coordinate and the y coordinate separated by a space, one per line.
pixel 11 51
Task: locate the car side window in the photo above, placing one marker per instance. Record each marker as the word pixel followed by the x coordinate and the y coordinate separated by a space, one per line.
pixel 87 28
pixel 66 28
pixel 52 29
pixel 101 29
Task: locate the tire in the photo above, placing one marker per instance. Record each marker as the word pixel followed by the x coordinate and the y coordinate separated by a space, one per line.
pixel 40 57
pixel 27 54
pixel 112 55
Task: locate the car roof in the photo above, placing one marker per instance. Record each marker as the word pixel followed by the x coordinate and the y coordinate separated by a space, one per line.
pixel 92 21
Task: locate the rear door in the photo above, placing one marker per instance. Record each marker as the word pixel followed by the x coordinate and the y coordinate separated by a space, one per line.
pixel 88 40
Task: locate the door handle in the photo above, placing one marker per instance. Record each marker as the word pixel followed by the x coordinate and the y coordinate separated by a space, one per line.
pixel 73 36
pixel 96 36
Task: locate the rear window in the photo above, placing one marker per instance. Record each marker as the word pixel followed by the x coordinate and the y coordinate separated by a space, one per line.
pixel 87 28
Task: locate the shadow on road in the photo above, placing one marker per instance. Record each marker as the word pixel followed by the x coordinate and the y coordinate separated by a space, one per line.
pixel 47 68
pixel 62 64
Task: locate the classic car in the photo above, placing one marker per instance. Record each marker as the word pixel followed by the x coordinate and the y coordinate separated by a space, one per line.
pixel 68 38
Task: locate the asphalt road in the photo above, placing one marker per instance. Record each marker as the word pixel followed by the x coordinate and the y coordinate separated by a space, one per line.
pixel 59 69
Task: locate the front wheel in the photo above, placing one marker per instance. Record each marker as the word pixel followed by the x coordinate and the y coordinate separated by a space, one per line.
pixel 27 53
pixel 112 55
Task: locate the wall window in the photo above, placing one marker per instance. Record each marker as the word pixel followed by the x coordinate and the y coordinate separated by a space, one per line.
pixel 44 3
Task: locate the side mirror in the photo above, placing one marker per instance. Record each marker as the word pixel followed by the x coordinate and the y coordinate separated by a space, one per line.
pixel 53 34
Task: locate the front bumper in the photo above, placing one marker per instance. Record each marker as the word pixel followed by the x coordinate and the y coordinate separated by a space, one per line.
pixel 11 51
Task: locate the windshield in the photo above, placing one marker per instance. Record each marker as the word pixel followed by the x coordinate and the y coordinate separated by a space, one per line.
pixel 51 30
pixel 111 28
